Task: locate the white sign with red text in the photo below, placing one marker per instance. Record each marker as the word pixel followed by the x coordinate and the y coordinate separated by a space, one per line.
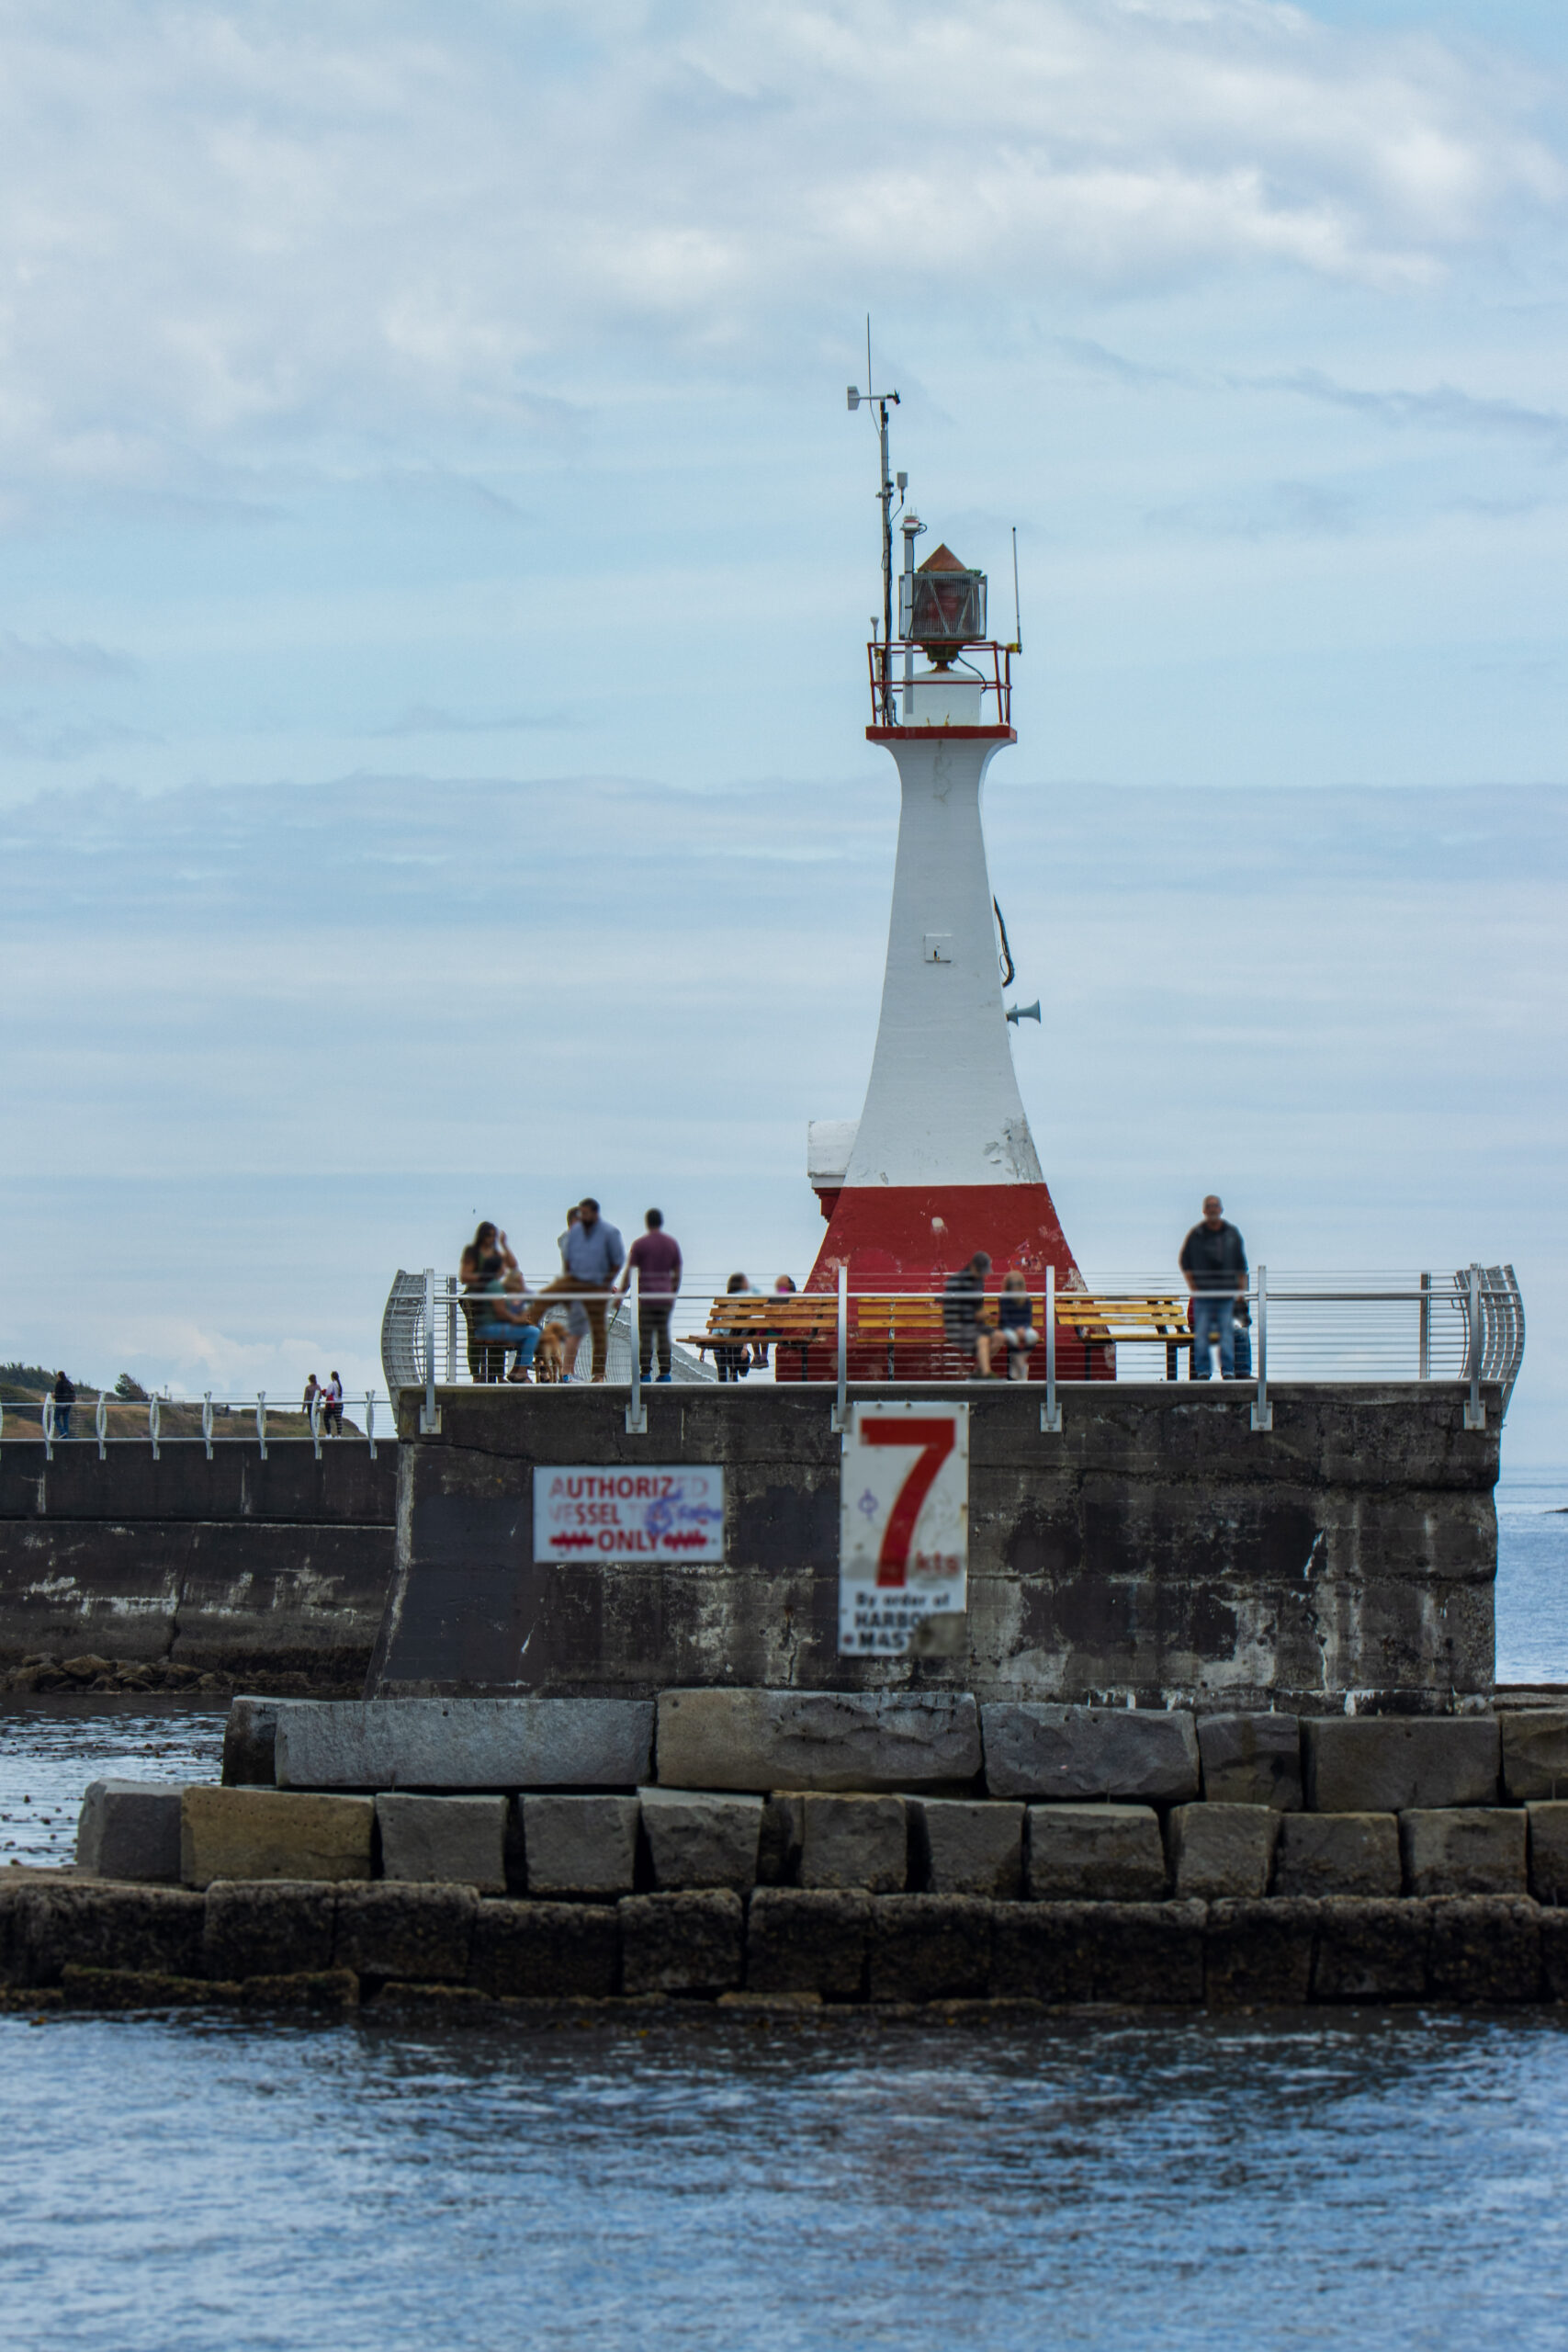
pixel 594 1513
pixel 903 1524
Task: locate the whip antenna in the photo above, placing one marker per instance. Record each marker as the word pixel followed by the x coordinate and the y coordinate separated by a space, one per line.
pixel 1017 646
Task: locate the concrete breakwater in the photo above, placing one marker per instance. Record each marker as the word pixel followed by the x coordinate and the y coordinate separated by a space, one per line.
pixel 188 1574
pixel 748 1845
pixel 1155 1552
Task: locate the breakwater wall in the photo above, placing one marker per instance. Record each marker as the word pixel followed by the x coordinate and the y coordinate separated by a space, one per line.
pixel 136 1573
pixel 1037 1853
pixel 1159 1550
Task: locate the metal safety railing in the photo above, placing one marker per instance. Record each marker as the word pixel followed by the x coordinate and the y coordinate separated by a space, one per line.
pixel 1465 1328
pixel 106 1419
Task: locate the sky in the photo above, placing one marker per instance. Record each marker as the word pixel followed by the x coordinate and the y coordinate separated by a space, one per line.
pixel 435 560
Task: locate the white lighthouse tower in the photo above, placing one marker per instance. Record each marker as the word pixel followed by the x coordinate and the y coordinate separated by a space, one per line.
pixel 940 1162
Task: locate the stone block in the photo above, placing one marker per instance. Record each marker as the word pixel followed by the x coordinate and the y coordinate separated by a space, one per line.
pixel 930 1948
pixel 1068 1753
pixel 1370 1951
pixel 1260 1954
pixel 802 1941
pixel 1221 1849
pixel 250 1738
pixel 968 1846
pixel 697 1838
pixel 854 1842
pixel 784 1824
pixel 266 1833
pixel 1463 1849
pixel 137 1988
pixel 328 1991
pixel 1554 1932
pixel 461 1744
pixel 1535 1753
pixel 1486 1951
pixel 1032 1945
pixel 1393 1763
pixel 1135 1953
pixel 546 1951
pixel 269 1927
pixel 1094 1853
pixel 1548 1852
pixel 1338 1853
pixel 130 1829
pixel 580 1845
pixel 682 1943
pixel 1251 1759
pixel 10 1934
pixel 458 1840
pixel 155 1929
pixel 403 1930
pixel 816 1739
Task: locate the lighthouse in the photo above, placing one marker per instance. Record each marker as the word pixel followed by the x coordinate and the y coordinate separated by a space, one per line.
pixel 940 1162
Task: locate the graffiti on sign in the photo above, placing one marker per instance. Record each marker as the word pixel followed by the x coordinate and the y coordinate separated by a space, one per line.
pixel 599 1513
pixel 903 1525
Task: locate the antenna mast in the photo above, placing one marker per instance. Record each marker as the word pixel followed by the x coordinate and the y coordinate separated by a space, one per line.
pixel 882 402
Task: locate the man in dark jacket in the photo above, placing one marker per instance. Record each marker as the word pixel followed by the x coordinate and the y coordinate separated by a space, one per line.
pixel 64 1397
pixel 963 1295
pixel 1213 1260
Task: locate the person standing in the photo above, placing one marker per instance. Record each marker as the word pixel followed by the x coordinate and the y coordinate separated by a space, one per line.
pixel 733 1362
pixel 1214 1262
pixel 64 1397
pixel 312 1390
pixel 962 1297
pixel 656 1255
pixel 332 1405
pixel 594 1254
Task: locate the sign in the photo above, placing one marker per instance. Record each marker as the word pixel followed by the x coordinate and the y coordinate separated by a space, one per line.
pixel 595 1512
pixel 903 1524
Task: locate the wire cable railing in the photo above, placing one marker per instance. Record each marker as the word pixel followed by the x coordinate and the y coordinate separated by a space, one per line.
pixel 1466 1328
pixel 105 1419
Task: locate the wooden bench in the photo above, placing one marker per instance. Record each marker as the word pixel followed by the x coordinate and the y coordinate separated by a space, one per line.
pixel 1100 1320
pixel 802 1319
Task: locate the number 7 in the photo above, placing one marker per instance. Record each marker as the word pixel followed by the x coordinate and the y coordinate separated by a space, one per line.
pixel 936 1440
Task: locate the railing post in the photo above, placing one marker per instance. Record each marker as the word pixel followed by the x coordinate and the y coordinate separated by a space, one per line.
pixel 1474 1410
pixel 840 1408
pixel 1424 1355
pixel 429 1421
pixel 152 1423
pixel 452 1332
pixel 207 1421
pixel 636 1411
pixel 1051 1412
pixel 371 1420
pixel 1262 1411
pixel 316 1423
pixel 48 1427
pixel 101 1425
pixel 260 1422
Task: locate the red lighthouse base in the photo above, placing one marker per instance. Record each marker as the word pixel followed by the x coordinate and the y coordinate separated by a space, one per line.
pixel 900 1240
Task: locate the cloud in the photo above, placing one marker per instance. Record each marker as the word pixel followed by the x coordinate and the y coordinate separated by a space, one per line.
pixel 31 736
pixel 1275 510
pixel 1443 409
pixel 424 718
pixel 232 231
pixel 49 660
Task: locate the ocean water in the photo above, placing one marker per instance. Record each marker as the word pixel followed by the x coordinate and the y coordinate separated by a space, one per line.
pixel 1377 2180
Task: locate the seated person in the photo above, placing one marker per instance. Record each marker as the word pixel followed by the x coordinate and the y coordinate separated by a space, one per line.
pixel 508 1323
pixel 1015 1325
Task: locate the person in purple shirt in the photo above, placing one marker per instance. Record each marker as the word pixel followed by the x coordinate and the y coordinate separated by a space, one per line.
pixel 656 1257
